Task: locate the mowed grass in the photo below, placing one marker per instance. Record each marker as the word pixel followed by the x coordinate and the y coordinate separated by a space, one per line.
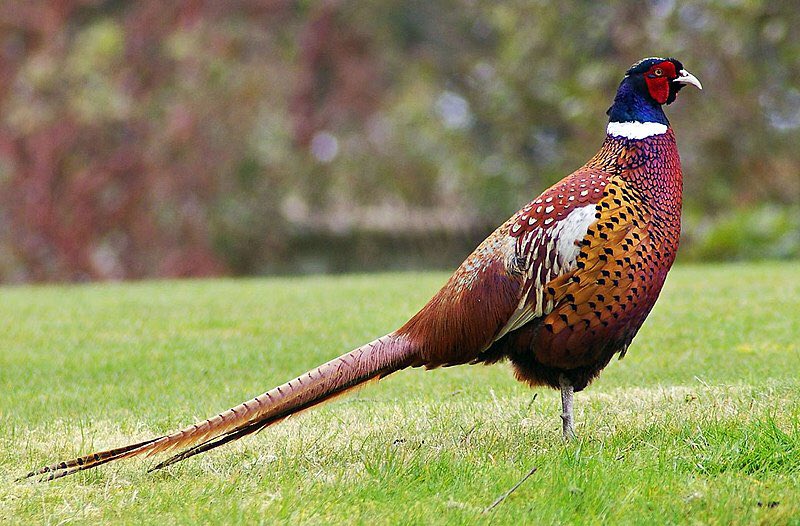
pixel 699 424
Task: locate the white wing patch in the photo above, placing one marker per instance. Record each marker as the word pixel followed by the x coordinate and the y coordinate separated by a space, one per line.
pixel 569 233
pixel 550 252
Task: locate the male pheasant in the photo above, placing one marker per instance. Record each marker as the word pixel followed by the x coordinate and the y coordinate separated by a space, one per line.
pixel 558 289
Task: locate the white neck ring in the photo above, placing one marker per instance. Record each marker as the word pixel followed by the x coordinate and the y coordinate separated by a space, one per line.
pixel 635 129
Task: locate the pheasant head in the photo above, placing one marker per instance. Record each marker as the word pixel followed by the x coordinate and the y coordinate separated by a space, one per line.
pixel 647 86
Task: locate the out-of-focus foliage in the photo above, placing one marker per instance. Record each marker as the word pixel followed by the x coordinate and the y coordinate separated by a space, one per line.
pixel 194 138
pixel 764 232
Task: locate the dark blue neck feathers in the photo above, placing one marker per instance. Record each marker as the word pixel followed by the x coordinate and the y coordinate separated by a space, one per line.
pixel 633 103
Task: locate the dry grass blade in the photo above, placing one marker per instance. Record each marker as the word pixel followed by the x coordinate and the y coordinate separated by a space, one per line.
pixel 505 495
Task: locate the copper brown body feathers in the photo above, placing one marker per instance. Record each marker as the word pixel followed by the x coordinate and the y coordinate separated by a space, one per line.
pixel 558 289
pixel 578 308
pixel 620 269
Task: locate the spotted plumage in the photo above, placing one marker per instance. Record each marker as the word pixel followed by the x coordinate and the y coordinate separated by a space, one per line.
pixel 558 289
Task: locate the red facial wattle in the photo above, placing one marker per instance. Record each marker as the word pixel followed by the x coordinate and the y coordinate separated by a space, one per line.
pixel 658 78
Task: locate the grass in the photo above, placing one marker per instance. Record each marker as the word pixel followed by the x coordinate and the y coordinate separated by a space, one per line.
pixel 699 424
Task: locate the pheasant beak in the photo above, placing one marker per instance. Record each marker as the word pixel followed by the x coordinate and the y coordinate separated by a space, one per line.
pixel 687 78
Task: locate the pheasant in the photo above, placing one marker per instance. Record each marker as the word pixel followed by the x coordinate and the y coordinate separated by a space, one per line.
pixel 558 289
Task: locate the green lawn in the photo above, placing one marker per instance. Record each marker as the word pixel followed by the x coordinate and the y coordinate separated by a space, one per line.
pixel 699 424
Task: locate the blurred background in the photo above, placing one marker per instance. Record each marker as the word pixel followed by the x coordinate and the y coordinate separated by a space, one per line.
pixel 166 139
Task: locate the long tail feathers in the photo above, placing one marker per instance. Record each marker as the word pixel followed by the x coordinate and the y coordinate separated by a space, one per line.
pixel 372 361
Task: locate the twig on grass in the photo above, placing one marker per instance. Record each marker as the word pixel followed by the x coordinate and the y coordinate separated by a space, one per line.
pixel 503 497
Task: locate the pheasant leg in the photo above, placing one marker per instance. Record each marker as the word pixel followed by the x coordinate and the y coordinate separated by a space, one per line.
pixel 567 428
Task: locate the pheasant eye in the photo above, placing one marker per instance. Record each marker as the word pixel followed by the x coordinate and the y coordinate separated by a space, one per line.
pixel 658 72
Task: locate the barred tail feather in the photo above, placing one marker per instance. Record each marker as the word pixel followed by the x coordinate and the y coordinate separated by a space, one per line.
pixel 372 361
pixel 67 467
pixel 258 425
